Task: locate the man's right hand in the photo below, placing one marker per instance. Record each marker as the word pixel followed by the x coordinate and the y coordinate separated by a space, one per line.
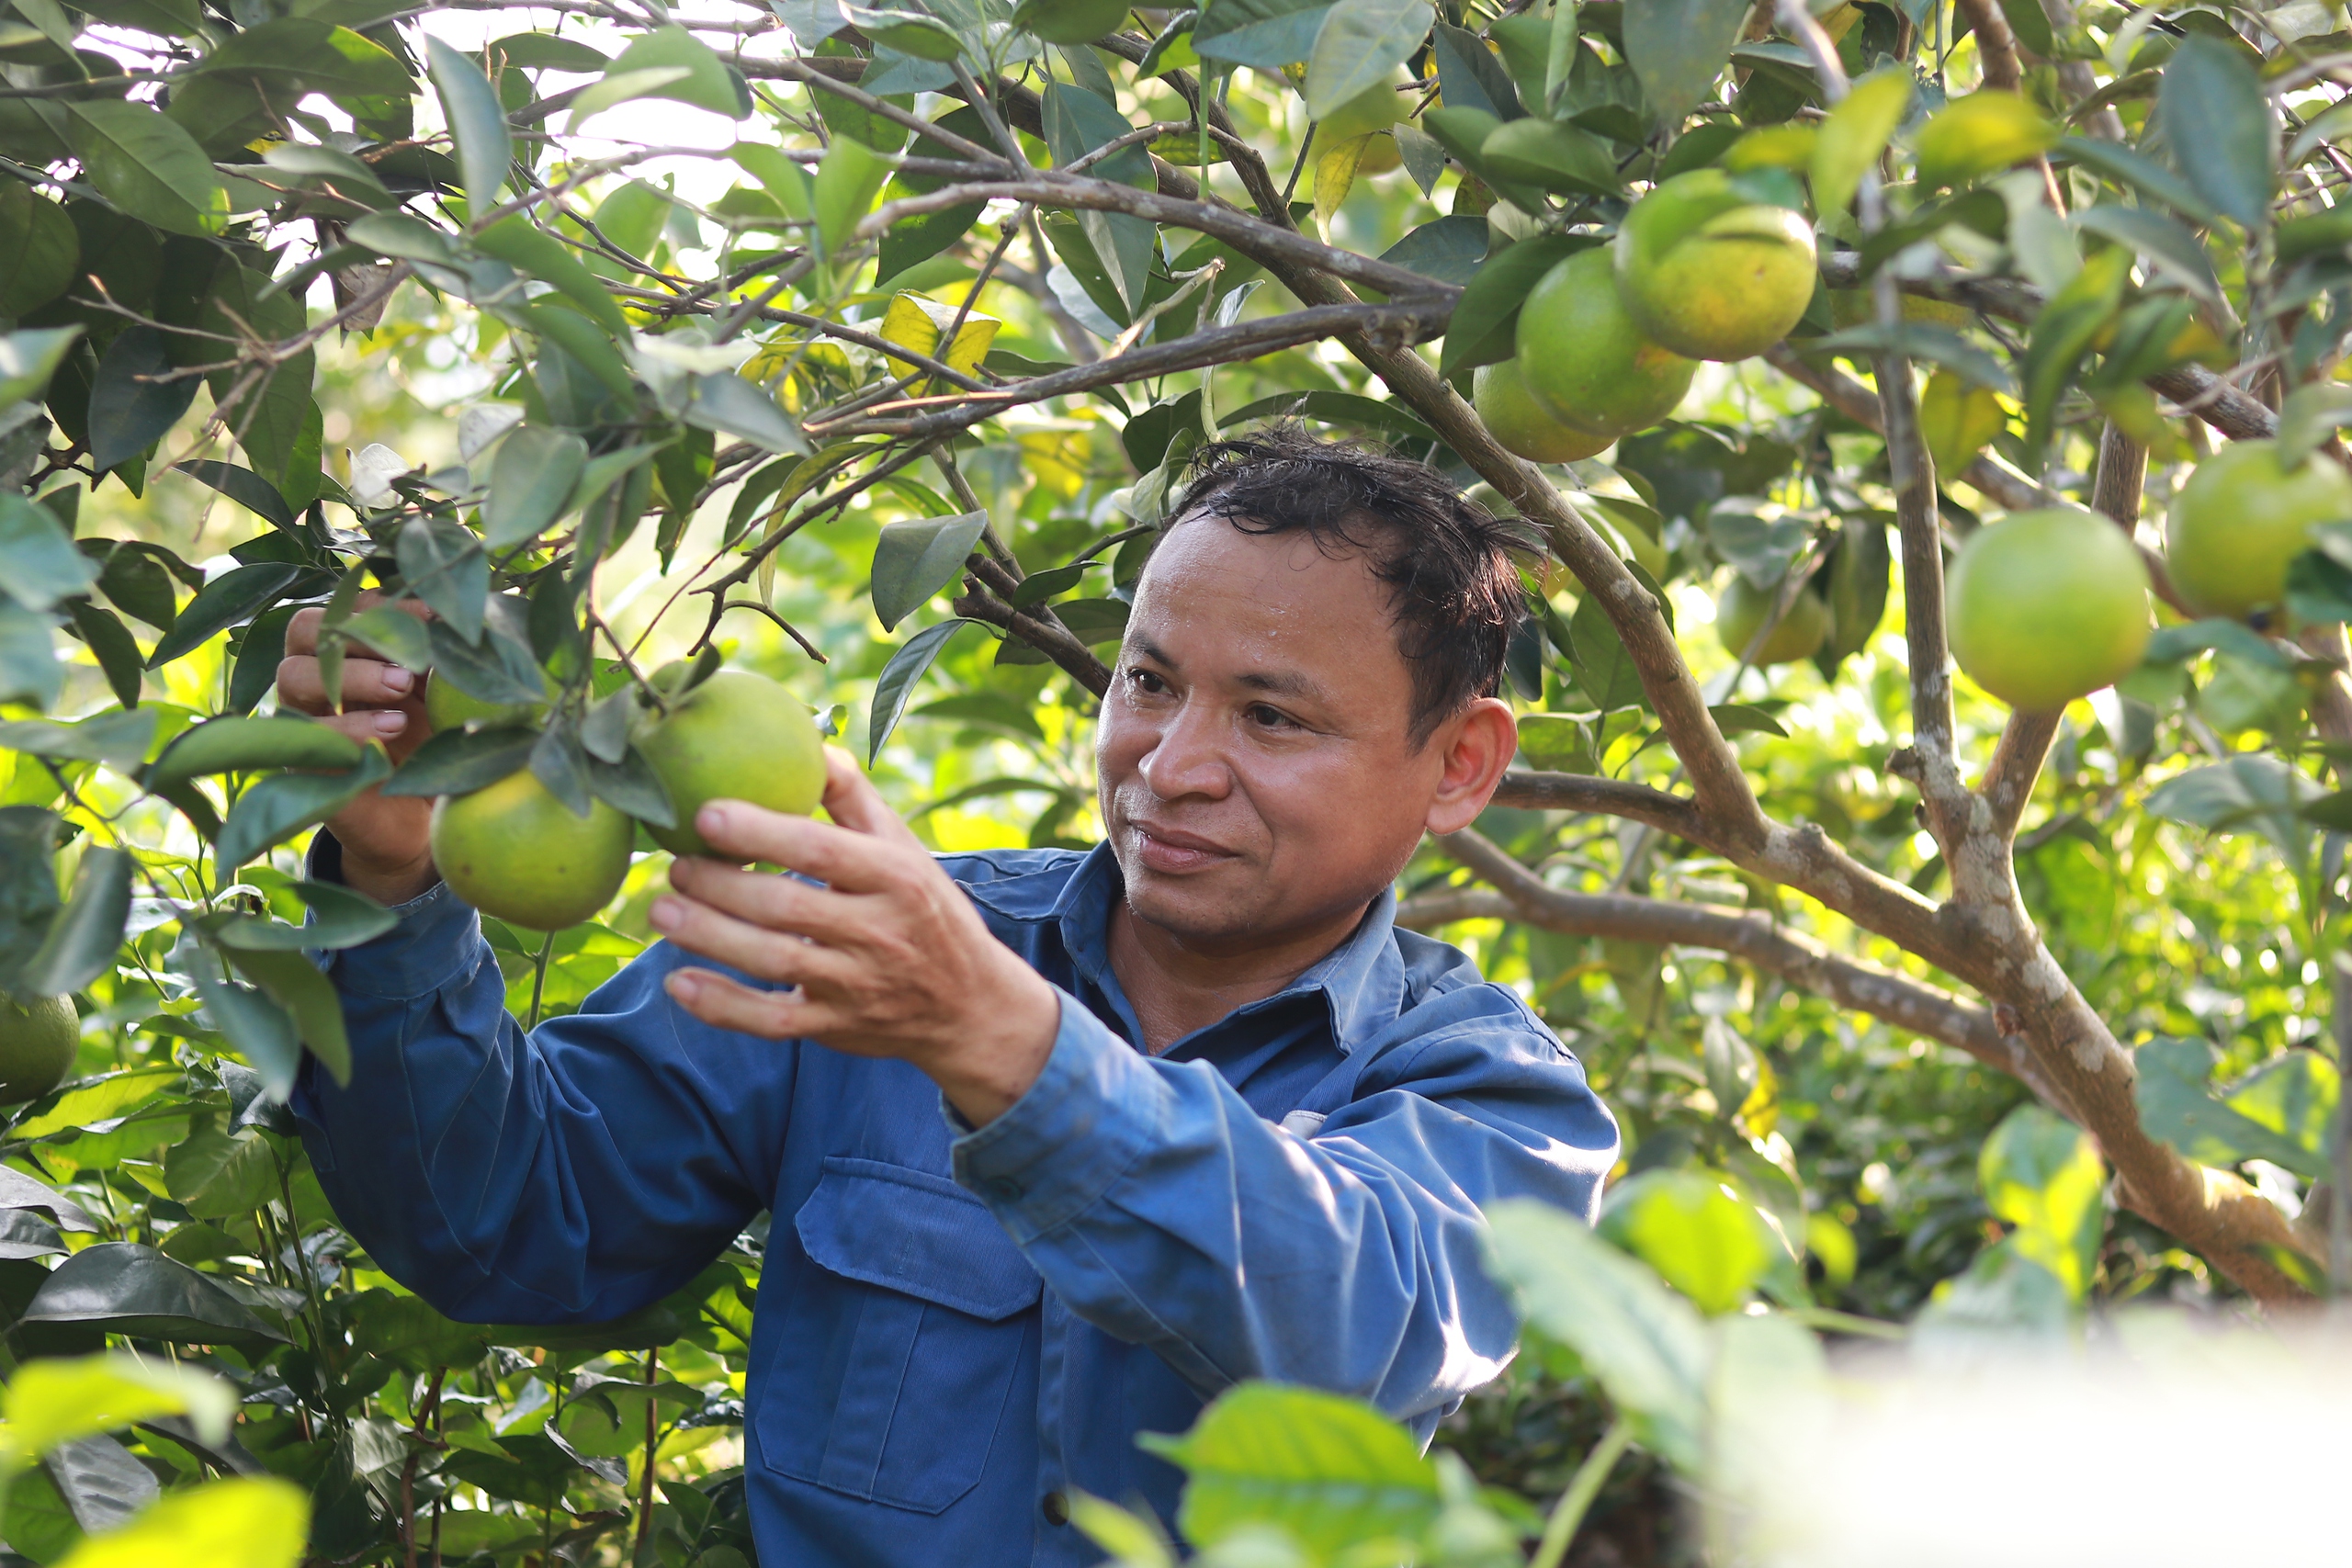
pixel 385 849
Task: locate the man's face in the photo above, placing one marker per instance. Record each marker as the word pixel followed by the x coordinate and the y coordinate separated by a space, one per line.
pixel 1258 774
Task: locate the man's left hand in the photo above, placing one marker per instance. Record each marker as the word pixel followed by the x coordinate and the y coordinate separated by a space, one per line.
pixel 889 957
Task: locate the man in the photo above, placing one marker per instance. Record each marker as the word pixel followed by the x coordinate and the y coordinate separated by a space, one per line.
pixel 1057 1146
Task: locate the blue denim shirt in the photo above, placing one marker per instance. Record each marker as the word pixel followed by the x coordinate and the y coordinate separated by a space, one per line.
pixel 952 1325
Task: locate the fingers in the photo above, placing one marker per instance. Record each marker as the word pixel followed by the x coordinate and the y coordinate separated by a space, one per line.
pixel 728 1004
pixel 366 682
pixel 853 802
pixel 779 957
pixel 840 857
pixel 764 899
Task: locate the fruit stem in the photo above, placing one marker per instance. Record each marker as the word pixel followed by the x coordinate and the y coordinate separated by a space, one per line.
pixel 539 978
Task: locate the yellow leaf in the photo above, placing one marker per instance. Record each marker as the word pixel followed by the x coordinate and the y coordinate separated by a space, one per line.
pixel 1957 420
pixel 243 1523
pixel 1335 174
pixel 53 1401
pixel 916 320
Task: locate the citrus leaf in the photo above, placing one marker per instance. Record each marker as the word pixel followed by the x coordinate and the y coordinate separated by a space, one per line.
pixel 459 761
pixel 914 561
pixel 39 564
pixel 897 683
pixel 2220 130
pixel 276 808
pixel 131 406
pixel 1358 46
pixel 471 107
pixel 133 1290
pixel 146 164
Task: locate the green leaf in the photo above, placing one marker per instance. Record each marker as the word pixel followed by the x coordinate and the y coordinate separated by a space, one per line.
pixel 459 762
pixel 1470 77
pixel 130 405
pixel 1975 135
pixel 244 487
pixel 1745 719
pixel 531 483
pixel 295 983
pixel 29 668
pixel 897 683
pixel 80 945
pixel 1358 47
pixel 1677 49
pixel 1646 1346
pixel 1485 319
pixel 2145 175
pixel 1328 1471
pixel 146 164
pixel 276 808
pixel 583 340
pixel 40 250
pixel 2163 240
pixel 703 79
pixel 136 1291
pixel 727 403
pixel 443 564
pixel 1264 35
pixel 470 105
pixel 234 596
pixel 1551 155
pixel 1447 249
pixel 1700 1239
pixel 1076 122
pixel 1854 135
pixel 1926 340
pixel 618 87
pixel 847 181
pixel 1859 575
pixel 220 1176
pixel 56 1400
pixel 2170 645
pixel 1605 672
pixel 530 250
pixel 237 745
pixel 2220 127
pixel 2174 1105
pixel 2042 1174
pixel 2249 793
pixel 28 359
pixel 2306 418
pixel 39 564
pixel 251 1519
pixel 118 739
pixel 111 643
pixel 914 561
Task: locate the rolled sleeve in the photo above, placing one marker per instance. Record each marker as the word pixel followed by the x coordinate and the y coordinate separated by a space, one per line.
pixel 1054 1154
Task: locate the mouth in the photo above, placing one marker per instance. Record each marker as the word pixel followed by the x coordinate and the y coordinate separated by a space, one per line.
pixel 1172 851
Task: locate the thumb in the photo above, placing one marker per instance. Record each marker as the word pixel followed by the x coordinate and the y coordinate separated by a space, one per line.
pixel 853 802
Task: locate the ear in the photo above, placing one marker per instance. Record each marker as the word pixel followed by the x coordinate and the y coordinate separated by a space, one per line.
pixel 1479 743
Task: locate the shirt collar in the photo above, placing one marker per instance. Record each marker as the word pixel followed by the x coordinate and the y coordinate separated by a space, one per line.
pixel 1362 981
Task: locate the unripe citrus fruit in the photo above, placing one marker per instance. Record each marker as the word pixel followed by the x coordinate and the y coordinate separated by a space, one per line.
pixel 2241 518
pixel 1708 273
pixel 514 851
pixel 448 708
pixel 38 1039
pixel 1523 425
pixel 1381 155
pixel 2048 606
pixel 1743 609
pixel 1584 358
pixel 1071 21
pixel 736 737
pixel 1374 108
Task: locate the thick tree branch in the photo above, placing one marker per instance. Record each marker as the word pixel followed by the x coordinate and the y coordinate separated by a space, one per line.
pixel 1754 938
pixel 1526 790
pixel 1040 628
pixel 1996 47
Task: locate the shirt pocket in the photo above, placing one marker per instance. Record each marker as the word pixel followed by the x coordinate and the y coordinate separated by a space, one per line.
pixel 898 1349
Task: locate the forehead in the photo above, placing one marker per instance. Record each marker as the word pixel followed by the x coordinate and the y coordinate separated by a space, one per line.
pixel 1212 591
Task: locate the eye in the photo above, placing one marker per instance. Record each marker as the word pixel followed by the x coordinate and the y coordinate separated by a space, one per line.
pixel 1268 717
pixel 1145 681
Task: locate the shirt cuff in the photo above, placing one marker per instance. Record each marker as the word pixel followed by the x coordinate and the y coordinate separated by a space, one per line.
pixel 1062 1144
pixel 432 944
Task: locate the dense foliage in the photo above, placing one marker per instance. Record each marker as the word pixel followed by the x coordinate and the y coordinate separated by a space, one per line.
pixel 889 331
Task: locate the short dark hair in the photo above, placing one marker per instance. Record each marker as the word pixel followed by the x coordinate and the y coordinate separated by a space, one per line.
pixel 1449 563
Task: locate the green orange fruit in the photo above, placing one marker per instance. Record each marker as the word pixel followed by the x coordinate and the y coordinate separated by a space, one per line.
pixel 1585 360
pixel 1709 273
pixel 514 851
pixel 2048 606
pixel 1523 425
pixel 1070 22
pixel 2242 518
pixel 38 1039
pixel 1743 608
pixel 1374 109
pixel 736 737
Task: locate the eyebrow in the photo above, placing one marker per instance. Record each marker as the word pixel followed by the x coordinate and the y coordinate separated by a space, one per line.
pixel 1286 683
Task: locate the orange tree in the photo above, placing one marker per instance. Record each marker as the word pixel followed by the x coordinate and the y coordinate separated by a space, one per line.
pixel 904 363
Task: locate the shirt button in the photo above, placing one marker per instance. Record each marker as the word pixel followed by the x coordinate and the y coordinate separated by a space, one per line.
pixel 1056 1508
pixel 1005 1188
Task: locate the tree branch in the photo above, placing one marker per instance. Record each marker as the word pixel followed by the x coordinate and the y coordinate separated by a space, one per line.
pixel 1753 938
pixel 1996 47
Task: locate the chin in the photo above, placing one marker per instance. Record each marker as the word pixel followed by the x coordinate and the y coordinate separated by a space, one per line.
pixel 1186 908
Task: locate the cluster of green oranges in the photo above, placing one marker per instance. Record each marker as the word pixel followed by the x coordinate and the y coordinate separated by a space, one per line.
pixel 515 851
pixel 2052 604
pixel 1609 338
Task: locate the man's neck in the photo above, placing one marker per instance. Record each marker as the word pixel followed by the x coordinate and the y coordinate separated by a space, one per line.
pixel 1176 986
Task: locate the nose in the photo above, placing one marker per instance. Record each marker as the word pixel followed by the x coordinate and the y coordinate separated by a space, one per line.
pixel 1187 757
